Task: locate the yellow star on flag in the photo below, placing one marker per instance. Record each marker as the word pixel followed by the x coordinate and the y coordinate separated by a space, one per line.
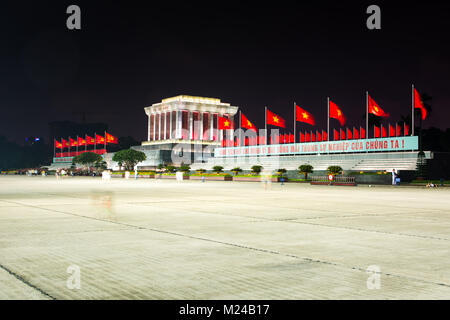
pixel 305 115
pixel 275 119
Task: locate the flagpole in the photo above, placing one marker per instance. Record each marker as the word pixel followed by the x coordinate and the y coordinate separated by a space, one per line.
pixel 85 145
pixel 54 148
pixel 240 127
pixel 367 115
pixel 412 111
pixel 295 122
pixel 77 144
pixel 95 142
pixel 328 119
pixel 265 123
pixel 105 135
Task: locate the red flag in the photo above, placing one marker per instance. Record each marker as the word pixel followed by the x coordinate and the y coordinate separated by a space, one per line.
pixel 383 132
pixel 111 139
pixel 418 104
pixel 336 135
pixel 302 137
pixel 324 136
pixel 58 144
pixel 65 144
pixel 225 123
pixel 73 143
pixel 90 140
pixel 287 138
pixel 99 139
pixel 349 134
pixel 406 130
pixel 375 109
pixel 355 133
pixel 307 137
pixel 319 136
pixel 275 119
pixel 81 141
pixel 343 134
pixel 313 137
pixel 377 132
pixel 291 138
pixel 262 140
pixel 399 130
pixel 391 131
pixel 245 123
pixel 362 133
pixel 336 113
pixel 304 116
pixel 282 138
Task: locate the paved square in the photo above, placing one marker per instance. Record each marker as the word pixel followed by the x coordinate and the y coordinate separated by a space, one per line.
pixel 158 239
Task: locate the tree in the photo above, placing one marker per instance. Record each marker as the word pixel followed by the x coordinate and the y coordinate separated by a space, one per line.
pixel 236 170
pixel 201 171
pixel 87 159
pixel 185 168
pixel 217 169
pixel 170 169
pixel 334 170
pixel 129 158
pixel 421 166
pixel 100 165
pixel 281 172
pixel 256 169
pixel 305 169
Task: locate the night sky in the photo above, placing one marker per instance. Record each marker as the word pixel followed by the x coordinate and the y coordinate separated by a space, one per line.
pixel 132 54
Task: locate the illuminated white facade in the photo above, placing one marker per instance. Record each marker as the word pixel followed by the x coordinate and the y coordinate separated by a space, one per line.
pixel 187 119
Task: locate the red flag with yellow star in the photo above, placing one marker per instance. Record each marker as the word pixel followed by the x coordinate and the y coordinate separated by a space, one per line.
pixel 225 123
pixel 304 116
pixel 58 144
pixel 375 109
pixel 336 113
pixel 275 119
pixel 245 123
pixel 110 138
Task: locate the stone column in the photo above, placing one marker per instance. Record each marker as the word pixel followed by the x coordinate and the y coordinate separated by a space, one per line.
pixel 159 127
pixel 179 124
pixel 154 126
pixel 149 127
pixel 211 126
pixel 220 131
pixel 170 125
pixel 191 125
pixel 165 124
pixel 200 127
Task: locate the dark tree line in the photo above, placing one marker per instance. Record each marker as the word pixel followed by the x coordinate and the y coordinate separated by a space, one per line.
pixel 15 156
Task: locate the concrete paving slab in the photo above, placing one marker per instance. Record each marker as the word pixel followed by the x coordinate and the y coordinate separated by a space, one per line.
pixel 162 239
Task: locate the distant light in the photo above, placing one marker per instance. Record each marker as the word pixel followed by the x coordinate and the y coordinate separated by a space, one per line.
pixel 37 139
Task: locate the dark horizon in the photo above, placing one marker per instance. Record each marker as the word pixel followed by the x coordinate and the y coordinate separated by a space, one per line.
pixel 128 57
